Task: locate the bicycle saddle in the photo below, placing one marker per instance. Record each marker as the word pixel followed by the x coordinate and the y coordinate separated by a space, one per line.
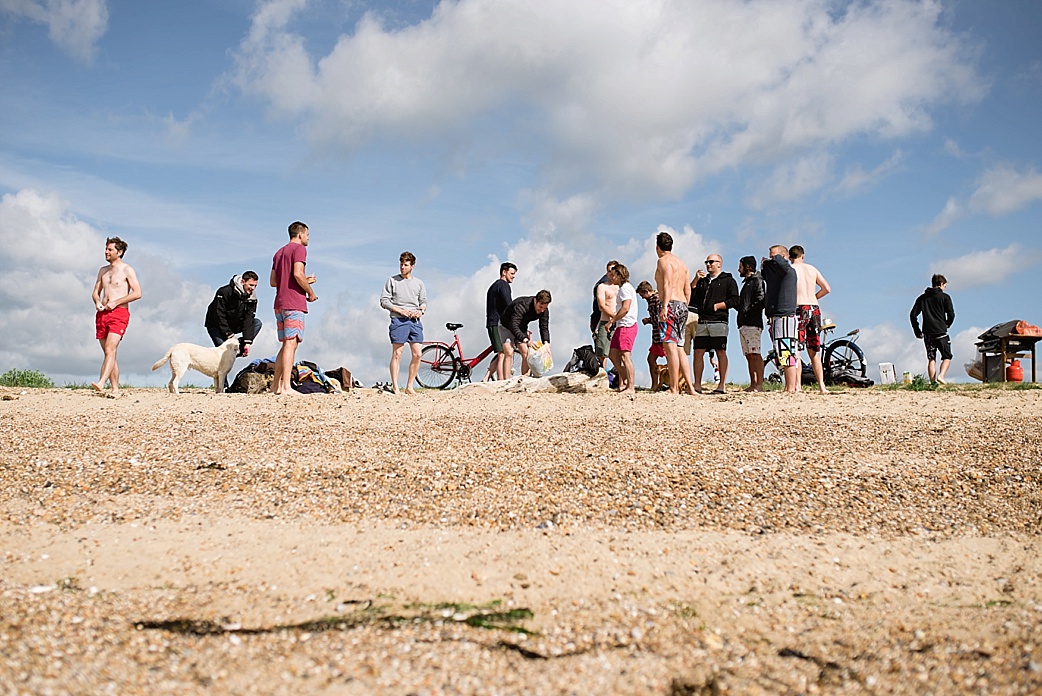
pixel 453 327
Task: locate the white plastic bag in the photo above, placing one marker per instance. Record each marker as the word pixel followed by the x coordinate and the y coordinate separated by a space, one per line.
pixel 539 359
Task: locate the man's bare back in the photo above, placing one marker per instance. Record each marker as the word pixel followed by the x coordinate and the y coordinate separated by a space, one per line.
pixel 673 283
pixel 672 280
pixel 808 282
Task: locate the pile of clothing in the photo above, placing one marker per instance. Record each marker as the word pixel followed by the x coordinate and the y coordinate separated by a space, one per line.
pixel 307 378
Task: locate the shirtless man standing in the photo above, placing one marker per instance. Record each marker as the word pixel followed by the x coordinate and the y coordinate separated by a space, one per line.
pixel 673 283
pixel 115 288
pixel 811 286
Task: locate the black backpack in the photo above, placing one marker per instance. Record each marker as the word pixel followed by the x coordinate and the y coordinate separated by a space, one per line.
pixel 584 360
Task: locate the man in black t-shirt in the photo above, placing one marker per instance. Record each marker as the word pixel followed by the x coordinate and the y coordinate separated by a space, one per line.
pixel 496 301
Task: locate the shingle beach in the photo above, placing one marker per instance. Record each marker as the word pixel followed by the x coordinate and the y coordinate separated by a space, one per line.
pixel 462 542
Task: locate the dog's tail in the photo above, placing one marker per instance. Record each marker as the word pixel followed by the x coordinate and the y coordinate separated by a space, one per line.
pixel 162 360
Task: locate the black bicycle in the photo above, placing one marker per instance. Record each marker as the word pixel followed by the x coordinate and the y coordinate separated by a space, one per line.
pixel 842 360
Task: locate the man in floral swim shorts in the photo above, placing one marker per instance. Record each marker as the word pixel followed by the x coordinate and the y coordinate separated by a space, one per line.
pixel 672 281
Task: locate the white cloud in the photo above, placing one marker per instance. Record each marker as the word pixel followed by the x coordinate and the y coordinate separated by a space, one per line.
pixel 793 180
pixel 952 148
pixel 953 210
pixel 74 25
pixel 999 191
pixel 856 180
pixel 635 97
pixel 1003 190
pixel 991 267
pixel 48 265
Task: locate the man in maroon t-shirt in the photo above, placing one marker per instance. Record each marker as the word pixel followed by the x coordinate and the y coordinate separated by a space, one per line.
pixel 292 294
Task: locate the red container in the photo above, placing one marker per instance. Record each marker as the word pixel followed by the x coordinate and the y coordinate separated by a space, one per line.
pixel 1014 372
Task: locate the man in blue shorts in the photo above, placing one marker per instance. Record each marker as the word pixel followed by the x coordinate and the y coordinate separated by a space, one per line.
pixel 292 294
pixel 405 297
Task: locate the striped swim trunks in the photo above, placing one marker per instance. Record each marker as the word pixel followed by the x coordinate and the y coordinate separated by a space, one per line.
pixel 290 324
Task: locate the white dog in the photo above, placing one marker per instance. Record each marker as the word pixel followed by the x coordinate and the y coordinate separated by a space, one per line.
pixel 212 362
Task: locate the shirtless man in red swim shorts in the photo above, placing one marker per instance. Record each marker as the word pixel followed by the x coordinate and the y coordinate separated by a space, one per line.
pixel 115 288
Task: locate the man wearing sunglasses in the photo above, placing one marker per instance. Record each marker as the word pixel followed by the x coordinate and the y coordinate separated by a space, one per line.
pixel 715 293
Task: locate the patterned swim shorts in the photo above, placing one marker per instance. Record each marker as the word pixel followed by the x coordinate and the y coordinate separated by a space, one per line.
pixel 290 324
pixel 810 326
pixel 672 328
pixel 785 335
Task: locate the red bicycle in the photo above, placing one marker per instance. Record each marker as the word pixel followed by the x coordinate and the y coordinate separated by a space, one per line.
pixel 441 363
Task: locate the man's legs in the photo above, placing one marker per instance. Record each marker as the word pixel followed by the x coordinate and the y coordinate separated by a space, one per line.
pixel 700 362
pixel 414 366
pixel 396 361
pixel 506 360
pixel 721 364
pixel 690 329
pixel 943 371
pixel 626 376
pixel 282 384
pixel 615 355
pixel 931 370
pixel 755 361
pixel 109 367
pixel 819 371
pixel 523 349
pixel 602 343
pixel 677 364
pixel 493 368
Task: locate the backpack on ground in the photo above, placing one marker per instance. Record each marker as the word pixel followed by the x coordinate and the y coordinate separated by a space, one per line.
pixel 584 360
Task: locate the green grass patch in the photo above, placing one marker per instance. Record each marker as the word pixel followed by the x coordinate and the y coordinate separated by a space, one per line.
pixel 26 378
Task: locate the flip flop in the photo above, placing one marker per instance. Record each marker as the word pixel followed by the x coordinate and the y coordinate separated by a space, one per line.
pixel 718 391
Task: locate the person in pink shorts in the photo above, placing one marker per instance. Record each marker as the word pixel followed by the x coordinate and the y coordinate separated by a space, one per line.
pixel 625 332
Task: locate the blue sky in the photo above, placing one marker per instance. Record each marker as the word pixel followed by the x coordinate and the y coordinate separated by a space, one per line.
pixel 890 139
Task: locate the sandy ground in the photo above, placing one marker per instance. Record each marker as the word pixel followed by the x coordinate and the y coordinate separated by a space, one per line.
pixel 864 542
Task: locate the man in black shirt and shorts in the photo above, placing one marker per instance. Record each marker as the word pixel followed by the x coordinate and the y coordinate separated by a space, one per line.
pixel 496 301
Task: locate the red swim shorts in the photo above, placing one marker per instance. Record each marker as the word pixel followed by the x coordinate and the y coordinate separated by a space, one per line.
pixel 111 321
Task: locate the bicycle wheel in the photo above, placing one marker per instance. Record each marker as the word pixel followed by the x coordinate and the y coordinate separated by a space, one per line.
pixel 845 355
pixel 437 367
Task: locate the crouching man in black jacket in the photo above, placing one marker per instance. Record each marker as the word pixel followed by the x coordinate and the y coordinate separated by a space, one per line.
pixel 233 311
